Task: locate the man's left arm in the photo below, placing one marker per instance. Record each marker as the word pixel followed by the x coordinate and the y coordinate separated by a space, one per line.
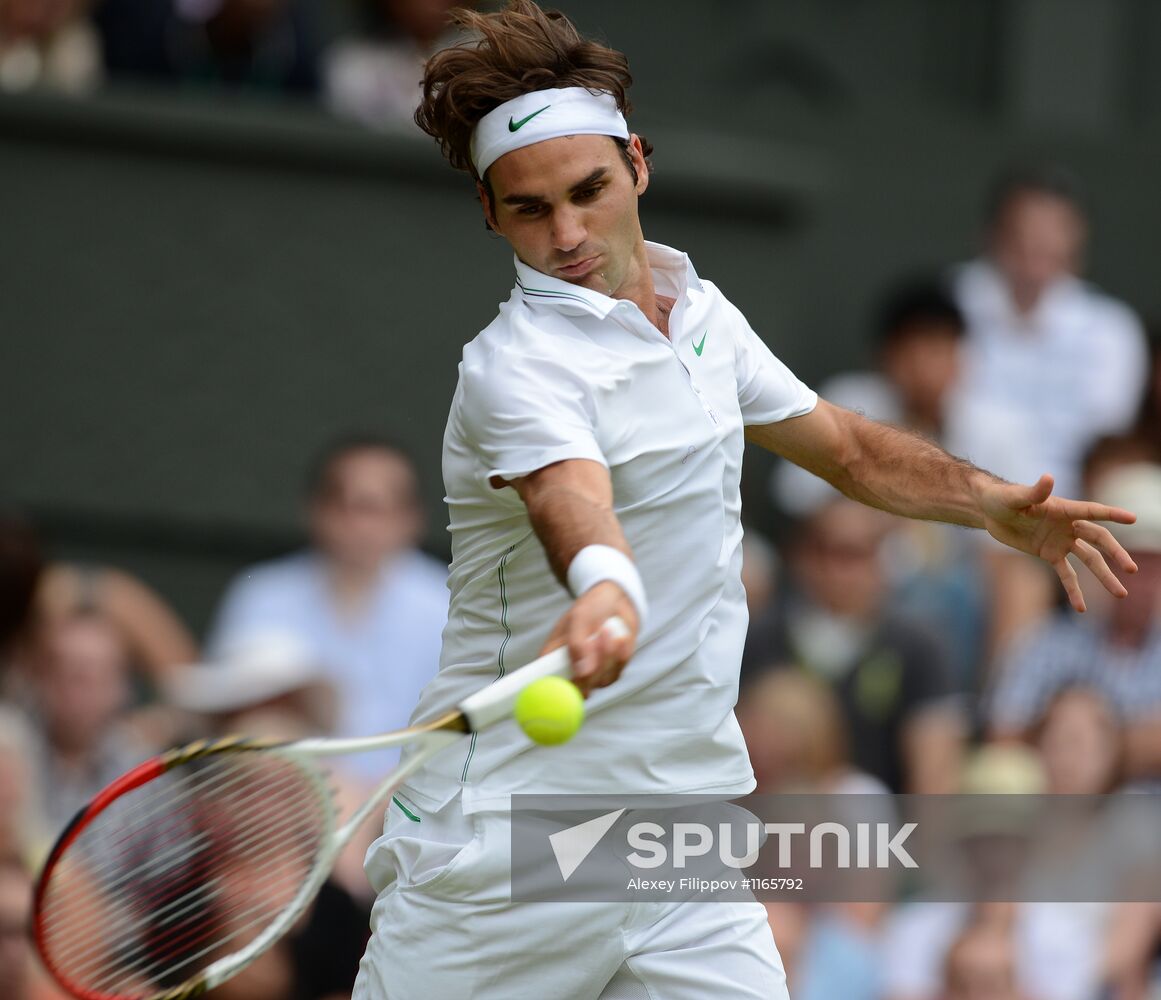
pixel 903 473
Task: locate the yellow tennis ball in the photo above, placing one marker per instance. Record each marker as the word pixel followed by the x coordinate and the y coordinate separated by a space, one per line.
pixel 550 710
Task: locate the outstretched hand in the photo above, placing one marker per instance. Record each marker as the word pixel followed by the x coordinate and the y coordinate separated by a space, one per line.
pixel 1030 519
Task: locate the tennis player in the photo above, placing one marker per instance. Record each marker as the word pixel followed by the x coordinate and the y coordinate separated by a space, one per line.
pixel 592 460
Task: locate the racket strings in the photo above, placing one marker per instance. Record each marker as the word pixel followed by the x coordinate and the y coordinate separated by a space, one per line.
pixel 167 912
pixel 167 908
pixel 183 870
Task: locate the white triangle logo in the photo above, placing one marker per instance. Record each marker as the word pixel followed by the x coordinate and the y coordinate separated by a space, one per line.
pixel 573 845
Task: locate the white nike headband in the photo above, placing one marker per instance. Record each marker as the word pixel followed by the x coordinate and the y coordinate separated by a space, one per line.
pixel 541 115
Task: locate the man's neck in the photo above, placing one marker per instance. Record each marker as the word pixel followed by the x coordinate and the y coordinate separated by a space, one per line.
pixel 351 586
pixel 638 288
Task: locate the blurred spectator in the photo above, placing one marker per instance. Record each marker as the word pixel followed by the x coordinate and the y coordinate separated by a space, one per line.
pixel 890 676
pixel 23 827
pixel 375 79
pixel 1080 743
pixel 49 44
pixel 264 45
pixel 158 642
pixel 267 686
pixel 368 605
pixel 981 965
pixel 35 595
pixel 1044 347
pixel 1115 649
pixel 796 735
pixel 81 696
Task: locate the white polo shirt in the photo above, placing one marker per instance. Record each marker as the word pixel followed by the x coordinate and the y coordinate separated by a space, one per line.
pixel 568 373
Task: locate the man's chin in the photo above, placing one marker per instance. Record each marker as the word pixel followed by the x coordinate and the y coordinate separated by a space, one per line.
pixel 594 280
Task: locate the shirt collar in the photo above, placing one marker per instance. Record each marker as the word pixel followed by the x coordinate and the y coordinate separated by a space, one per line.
pixel 673 275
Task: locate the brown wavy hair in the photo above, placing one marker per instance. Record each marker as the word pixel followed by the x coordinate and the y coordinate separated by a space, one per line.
pixel 519 49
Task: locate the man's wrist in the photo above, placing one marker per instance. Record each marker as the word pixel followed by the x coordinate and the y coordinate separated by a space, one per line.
pixel 980 484
pixel 597 563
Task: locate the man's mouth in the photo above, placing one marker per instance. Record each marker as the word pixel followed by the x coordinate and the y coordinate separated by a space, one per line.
pixel 580 268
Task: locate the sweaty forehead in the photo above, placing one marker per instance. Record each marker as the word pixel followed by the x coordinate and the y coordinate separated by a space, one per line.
pixel 551 167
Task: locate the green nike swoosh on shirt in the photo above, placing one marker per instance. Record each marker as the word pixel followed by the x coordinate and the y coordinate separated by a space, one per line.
pixel 697 348
pixel 516 126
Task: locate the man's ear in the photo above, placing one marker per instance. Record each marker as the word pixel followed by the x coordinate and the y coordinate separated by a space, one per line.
pixel 637 155
pixel 486 204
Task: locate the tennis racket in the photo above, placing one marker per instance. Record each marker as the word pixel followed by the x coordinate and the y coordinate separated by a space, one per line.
pixel 191 865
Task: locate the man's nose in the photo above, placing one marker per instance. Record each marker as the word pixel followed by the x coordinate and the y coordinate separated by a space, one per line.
pixel 568 231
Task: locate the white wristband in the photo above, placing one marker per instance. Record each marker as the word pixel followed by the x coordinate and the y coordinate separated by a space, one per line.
pixel 596 563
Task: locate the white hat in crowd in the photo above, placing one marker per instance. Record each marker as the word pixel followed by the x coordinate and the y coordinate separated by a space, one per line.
pixel 252 671
pixel 1135 487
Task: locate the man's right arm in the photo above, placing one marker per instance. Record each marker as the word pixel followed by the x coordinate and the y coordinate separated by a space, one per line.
pixel 570 505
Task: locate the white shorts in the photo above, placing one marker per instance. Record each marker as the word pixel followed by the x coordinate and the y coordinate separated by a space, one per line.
pixel 444 928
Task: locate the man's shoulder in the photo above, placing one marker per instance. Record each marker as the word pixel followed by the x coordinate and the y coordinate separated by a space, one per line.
pixel 712 295
pixel 519 330
pixel 1108 312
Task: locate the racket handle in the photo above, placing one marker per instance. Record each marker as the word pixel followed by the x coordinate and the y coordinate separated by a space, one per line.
pixel 496 701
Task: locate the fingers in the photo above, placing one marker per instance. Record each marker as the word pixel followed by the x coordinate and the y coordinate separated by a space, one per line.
pixel 603 655
pixel 1082 510
pixel 1017 496
pixel 1096 564
pixel 599 652
pixel 1068 577
pixel 1103 539
pixel 599 657
pixel 613 651
pixel 1042 490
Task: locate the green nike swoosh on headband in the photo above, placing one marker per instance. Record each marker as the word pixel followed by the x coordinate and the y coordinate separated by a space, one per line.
pixel 516 126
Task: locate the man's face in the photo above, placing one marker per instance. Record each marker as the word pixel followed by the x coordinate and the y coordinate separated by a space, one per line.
pixel 923 362
pixel 366 509
pixel 1036 240
pixel 837 561
pixel 568 207
pixel 1080 744
pixel 84 680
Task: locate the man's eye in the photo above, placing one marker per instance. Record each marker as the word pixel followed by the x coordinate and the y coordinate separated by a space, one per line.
pixel 529 210
pixel 587 193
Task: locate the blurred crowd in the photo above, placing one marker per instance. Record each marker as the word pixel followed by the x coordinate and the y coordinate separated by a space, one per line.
pixel 884 656
pixel 910 657
pixel 361 58
pixel 98 673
